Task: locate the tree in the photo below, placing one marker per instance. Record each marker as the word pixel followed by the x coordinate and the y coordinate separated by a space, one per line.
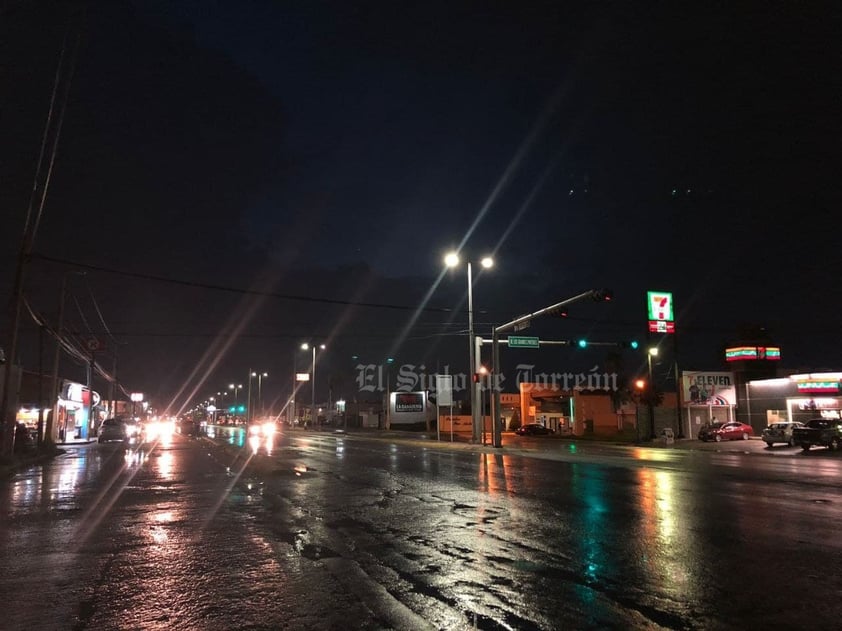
pixel 515 422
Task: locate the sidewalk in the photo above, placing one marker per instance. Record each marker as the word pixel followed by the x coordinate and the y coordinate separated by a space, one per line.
pixel 8 466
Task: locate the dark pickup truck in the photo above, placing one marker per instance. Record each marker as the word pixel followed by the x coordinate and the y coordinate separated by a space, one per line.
pixel 819 431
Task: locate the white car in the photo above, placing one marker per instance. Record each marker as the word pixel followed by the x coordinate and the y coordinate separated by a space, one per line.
pixel 780 433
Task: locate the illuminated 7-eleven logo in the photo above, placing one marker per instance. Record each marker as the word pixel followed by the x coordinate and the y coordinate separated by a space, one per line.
pixel 660 306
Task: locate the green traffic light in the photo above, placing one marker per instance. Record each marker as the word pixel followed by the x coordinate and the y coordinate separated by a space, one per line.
pixel 634 344
pixel 242 408
pixel 583 343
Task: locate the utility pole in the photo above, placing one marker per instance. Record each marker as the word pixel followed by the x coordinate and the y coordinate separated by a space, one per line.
pixel 40 434
pixel 597 295
pixel 113 389
pixel 9 399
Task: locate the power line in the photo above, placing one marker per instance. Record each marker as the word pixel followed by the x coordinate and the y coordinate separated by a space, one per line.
pixel 99 312
pixel 237 290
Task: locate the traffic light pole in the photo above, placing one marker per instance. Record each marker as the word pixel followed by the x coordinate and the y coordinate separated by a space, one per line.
pixel 496 372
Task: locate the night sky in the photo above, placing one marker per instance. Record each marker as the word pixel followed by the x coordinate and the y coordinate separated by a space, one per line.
pixel 234 174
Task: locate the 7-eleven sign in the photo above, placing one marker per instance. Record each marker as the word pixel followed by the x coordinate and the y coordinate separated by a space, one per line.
pixel 660 306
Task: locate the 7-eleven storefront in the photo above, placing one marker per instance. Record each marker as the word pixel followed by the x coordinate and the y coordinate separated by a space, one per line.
pixel 795 398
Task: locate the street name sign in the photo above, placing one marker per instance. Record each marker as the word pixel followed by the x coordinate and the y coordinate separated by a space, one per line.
pixel 521 341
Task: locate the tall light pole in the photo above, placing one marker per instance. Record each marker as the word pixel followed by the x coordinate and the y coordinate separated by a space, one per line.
pixel 260 376
pixel 305 346
pixel 236 388
pixel 452 260
pixel 652 352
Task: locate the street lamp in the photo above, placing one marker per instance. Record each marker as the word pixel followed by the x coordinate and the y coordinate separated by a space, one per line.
pixel 236 389
pixel 652 352
pixel 259 385
pixel 452 260
pixel 305 346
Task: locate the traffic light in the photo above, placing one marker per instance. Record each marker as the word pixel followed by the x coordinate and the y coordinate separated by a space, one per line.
pixel 640 384
pixel 583 343
pixel 633 344
pixel 242 408
pixel 602 295
pixel 232 409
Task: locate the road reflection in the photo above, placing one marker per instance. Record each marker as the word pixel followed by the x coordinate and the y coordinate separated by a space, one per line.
pixel 666 561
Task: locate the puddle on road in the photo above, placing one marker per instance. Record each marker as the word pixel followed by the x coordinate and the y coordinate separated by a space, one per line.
pixel 317 552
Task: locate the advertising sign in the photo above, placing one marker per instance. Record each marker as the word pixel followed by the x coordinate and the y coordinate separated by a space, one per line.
pixel 74 392
pixel 708 388
pixel 660 306
pixel 751 353
pixel 818 386
pixel 408 408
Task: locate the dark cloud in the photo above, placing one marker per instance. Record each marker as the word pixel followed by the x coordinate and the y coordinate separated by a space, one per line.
pixel 335 149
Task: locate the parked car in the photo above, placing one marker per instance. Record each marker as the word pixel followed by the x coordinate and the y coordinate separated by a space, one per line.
pixel 733 430
pixel 780 433
pixel 819 431
pixel 533 429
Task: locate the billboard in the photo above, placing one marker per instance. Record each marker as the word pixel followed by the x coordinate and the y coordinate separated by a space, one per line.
pixel 708 388
pixel 407 408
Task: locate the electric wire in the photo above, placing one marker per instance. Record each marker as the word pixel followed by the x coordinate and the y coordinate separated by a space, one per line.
pixel 237 290
pixel 99 313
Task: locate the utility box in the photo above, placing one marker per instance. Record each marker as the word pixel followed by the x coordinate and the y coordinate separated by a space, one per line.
pixel 668 436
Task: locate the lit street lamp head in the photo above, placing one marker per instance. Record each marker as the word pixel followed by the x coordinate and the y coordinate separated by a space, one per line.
pixel 487 262
pixel 451 259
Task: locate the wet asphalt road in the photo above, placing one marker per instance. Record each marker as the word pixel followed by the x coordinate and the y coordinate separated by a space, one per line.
pixel 335 532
